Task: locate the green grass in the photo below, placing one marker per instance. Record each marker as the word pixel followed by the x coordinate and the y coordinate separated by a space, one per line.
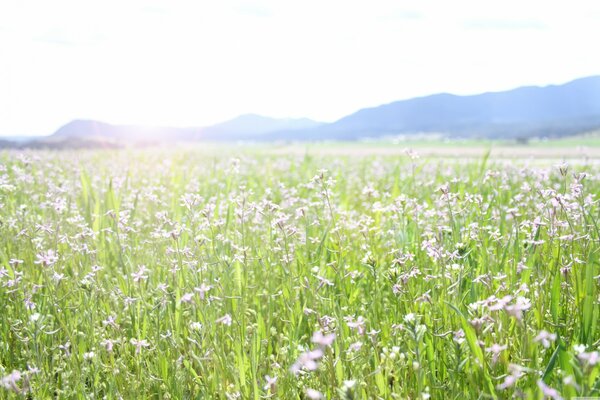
pixel 408 262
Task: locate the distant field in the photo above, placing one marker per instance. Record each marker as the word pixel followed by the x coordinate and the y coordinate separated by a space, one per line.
pixel 578 147
pixel 300 272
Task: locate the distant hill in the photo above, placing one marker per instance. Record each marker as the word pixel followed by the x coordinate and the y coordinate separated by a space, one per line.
pixel 96 129
pixel 251 126
pixel 524 112
pixel 243 127
pixel 7 144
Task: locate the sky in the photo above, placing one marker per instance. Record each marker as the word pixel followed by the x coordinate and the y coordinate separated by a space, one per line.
pixel 196 62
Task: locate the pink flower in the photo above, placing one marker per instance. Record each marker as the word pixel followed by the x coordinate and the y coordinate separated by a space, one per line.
pixel 140 274
pixel 307 360
pixel 225 320
pixel 139 344
pixel 548 392
pixel 358 324
pixel 323 340
pixel 47 259
pixel 545 338
pixel 187 298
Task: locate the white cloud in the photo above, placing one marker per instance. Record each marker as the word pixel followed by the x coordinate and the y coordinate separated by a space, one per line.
pixel 188 62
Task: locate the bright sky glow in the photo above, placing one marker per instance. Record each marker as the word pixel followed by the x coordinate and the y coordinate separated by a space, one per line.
pixel 195 62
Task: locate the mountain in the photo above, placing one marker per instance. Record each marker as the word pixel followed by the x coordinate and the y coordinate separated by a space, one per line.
pixel 523 112
pixel 251 126
pixel 550 111
pixel 95 129
pixel 7 144
pixel 248 126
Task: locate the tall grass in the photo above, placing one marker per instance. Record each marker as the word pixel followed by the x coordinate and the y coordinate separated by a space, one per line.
pixel 180 274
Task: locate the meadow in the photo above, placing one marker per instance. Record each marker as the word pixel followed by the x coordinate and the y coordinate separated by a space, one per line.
pixel 189 273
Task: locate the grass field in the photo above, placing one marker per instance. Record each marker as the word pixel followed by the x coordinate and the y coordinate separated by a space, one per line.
pixel 298 274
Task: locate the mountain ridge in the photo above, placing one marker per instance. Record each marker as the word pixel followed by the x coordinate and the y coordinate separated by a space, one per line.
pixel 522 112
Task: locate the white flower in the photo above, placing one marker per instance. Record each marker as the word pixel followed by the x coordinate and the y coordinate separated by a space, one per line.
pixel 270 383
pixel 592 358
pixel 579 348
pixel 545 338
pixel 516 310
pixel 356 346
pixel 202 290
pixel 10 381
pixel 409 318
pixel 358 324
pixel 187 298
pixel 108 344
pixel 225 320
pixel 110 321
pixel 349 384
pixel 313 394
pixel 140 274
pixel 47 259
pixel 548 391
pixel 139 344
pixel 195 326
pixel 307 360
pixel 496 349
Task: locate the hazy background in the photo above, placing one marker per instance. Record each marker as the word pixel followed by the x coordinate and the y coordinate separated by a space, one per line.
pixel 195 63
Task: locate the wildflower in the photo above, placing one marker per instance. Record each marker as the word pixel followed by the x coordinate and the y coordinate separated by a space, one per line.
pixel 163 287
pixel 270 383
pixel 129 301
pixel 66 348
pixel 313 394
pixel 30 304
pixel 358 324
pixel 349 384
pixel 510 380
pixel 500 303
pixel 408 318
pixel 110 321
pixel 563 168
pixel 202 290
pixel 195 326
pixel 47 259
pixel 10 381
pixel 323 282
pixel 592 358
pixel 56 277
pixel 548 391
pixel 139 344
pixel 15 261
pixel 323 340
pixel 570 380
pixel 325 321
pixel 579 348
pixel 496 349
pixel 186 298
pixel 545 338
pixel 140 274
pixel 459 336
pixel 516 310
pixel 356 346
pixel 225 320
pixel 108 344
pixel 307 360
